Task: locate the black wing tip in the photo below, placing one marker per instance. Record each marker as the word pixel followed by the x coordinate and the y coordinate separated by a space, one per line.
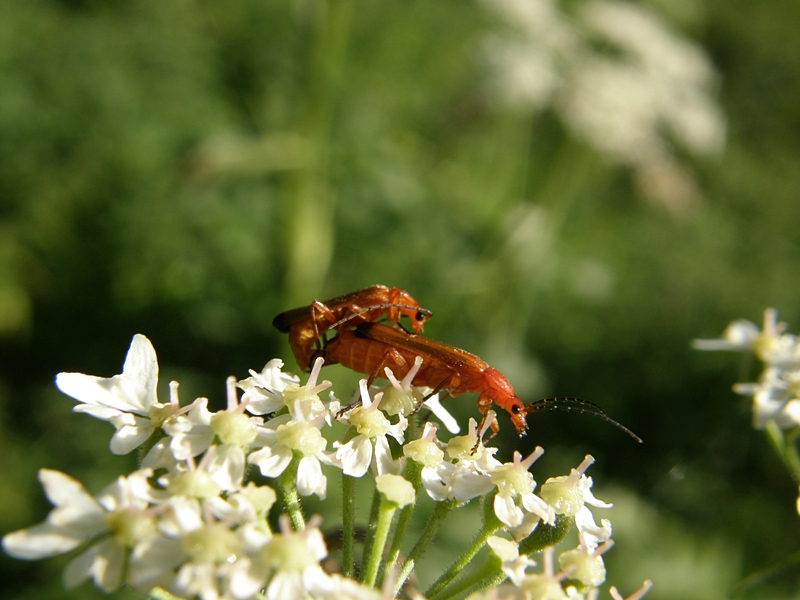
pixel 282 323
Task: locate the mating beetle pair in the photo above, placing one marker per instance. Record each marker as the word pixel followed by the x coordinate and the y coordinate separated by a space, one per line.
pixel 367 346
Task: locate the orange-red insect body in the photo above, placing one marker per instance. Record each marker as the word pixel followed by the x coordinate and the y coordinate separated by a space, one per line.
pixel 307 325
pixel 372 346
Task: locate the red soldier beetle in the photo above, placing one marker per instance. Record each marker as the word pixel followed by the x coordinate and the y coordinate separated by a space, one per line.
pixel 371 347
pixel 307 325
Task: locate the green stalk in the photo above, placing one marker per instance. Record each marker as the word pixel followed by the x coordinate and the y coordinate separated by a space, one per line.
pixel 348 523
pixel 385 513
pixel 159 593
pixel 490 524
pixel 412 474
pixel 786 447
pixel 372 527
pixel 435 521
pixel 545 535
pixel 288 491
pixel 475 579
pixel 490 573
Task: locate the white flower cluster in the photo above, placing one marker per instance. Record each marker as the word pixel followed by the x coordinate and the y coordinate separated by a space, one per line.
pixel 190 521
pixel 776 396
pixel 617 77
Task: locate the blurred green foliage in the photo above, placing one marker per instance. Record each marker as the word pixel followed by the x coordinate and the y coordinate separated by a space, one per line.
pixel 188 169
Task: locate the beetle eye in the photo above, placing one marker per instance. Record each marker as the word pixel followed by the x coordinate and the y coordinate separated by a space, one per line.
pixel 515 408
pixel 421 316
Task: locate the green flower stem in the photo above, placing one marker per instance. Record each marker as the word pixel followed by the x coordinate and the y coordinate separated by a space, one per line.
pixel 545 535
pixel 761 576
pixel 493 581
pixel 490 524
pixel 474 580
pixel 785 446
pixel 348 515
pixel 385 513
pixel 287 488
pixel 159 593
pixel 435 521
pixel 490 573
pixel 412 474
pixel 372 527
pixel 348 523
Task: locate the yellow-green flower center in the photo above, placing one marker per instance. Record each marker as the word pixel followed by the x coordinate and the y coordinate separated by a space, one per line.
pixel 369 422
pixel 512 480
pixel 399 402
pixel 288 553
pixel 302 437
pixel 158 413
pixel 212 544
pixel 425 452
pixel 194 484
pixel 543 587
pixel 262 497
pixel 128 527
pixel 565 499
pixel 234 428
pixel 586 568
pixel 310 403
pixel 460 448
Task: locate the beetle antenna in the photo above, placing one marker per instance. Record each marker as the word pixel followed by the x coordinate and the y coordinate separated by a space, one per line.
pixel 366 309
pixel 568 400
pixel 578 405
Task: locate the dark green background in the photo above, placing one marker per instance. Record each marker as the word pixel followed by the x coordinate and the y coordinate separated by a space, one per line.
pixel 188 169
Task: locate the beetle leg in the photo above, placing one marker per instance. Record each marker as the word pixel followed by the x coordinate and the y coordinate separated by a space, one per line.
pixel 484 404
pixel 392 359
pixel 320 313
pixel 445 385
pixel 391 356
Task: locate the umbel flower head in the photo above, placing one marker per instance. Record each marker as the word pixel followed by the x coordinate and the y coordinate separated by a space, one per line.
pixel 195 522
pixel 776 396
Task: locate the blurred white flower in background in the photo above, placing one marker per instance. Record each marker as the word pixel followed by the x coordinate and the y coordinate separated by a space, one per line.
pixel 620 80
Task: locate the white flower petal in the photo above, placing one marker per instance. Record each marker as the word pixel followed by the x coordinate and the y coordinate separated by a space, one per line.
pixel 508 512
pixel 310 479
pixel 226 467
pixel 586 487
pixel 93 390
pixel 63 490
pixel 127 492
pixel 103 413
pixel 141 368
pixel 534 504
pixel 355 456
pixel 159 456
pixel 285 586
pixel 40 541
pixel 103 562
pixel 592 535
pixel 383 458
pixel 128 438
pixel 132 391
pixel 468 484
pixel 272 461
pixel 152 561
pixel 524 529
pixel 76 512
pixel 441 413
pixel 433 484
pixel 191 433
pixel 246 580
